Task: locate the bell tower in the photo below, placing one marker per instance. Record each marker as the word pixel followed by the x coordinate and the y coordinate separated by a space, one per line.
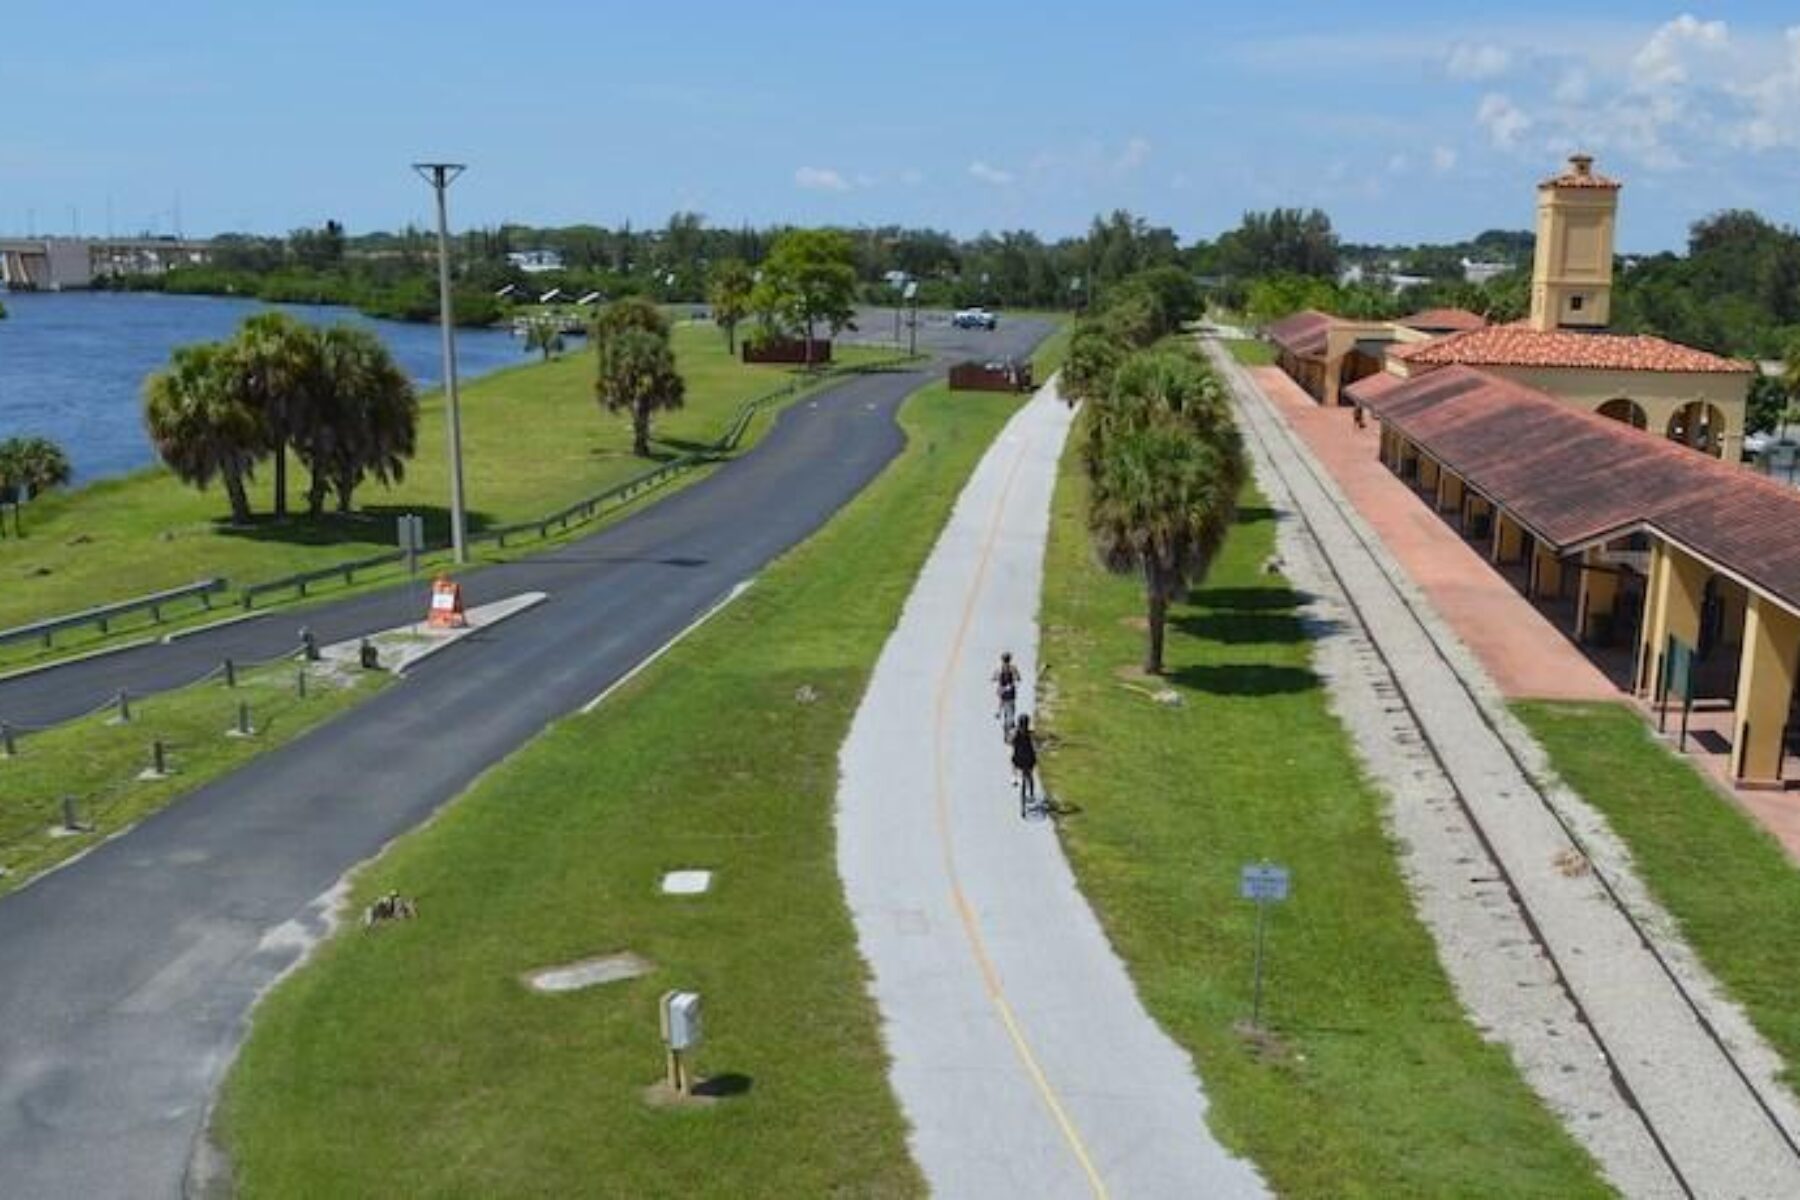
pixel 1571 272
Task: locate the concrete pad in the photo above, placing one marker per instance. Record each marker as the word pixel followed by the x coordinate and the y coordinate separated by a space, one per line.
pixel 1022 1057
pixel 589 972
pixel 687 883
pixel 405 646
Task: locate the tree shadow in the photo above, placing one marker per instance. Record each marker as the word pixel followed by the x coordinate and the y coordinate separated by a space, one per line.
pixel 373 523
pixel 1244 628
pixel 1244 679
pixel 1248 599
pixel 720 1087
pixel 1254 514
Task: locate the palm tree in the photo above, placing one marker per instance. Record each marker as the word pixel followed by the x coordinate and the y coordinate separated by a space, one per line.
pixel 544 334
pixel 275 361
pixel 637 371
pixel 1164 464
pixel 728 292
pixel 368 417
pixel 201 425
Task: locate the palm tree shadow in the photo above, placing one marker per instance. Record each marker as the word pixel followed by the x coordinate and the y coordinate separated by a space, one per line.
pixel 1244 679
pixel 373 523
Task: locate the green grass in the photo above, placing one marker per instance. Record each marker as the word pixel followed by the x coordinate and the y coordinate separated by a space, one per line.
pixel 414 1062
pixel 1373 1083
pixel 1732 889
pixel 98 760
pixel 1049 355
pixel 1251 352
pixel 533 440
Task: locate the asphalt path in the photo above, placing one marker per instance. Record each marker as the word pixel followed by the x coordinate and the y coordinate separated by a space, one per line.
pixel 127 976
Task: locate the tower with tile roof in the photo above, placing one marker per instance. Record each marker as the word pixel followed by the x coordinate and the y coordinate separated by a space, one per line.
pixel 1571 272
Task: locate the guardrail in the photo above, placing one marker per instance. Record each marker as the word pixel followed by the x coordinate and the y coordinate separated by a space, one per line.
pixel 105 614
pixel 247 597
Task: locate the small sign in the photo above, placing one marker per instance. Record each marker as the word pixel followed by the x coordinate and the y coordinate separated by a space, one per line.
pixel 1261 881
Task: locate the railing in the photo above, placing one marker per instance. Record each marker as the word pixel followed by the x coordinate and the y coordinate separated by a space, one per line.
pixel 105 614
pixel 247 597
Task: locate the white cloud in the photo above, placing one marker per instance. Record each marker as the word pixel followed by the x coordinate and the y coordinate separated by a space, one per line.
pixel 1774 103
pixel 1443 159
pixel 1571 86
pixel 1504 121
pixel 1477 61
pixel 1665 59
pixel 989 174
pixel 820 179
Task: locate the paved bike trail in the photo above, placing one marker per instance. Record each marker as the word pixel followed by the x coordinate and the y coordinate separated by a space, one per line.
pixel 126 977
pixel 1021 1053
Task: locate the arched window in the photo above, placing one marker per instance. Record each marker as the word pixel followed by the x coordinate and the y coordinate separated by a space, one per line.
pixel 1629 412
pixel 1699 425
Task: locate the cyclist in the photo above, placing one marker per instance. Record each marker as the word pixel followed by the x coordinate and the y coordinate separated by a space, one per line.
pixel 1024 761
pixel 1006 685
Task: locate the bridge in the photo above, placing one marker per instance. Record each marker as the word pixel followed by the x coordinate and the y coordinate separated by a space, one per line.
pixel 55 263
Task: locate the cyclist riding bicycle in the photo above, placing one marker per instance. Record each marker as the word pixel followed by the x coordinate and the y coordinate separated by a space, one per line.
pixel 1006 681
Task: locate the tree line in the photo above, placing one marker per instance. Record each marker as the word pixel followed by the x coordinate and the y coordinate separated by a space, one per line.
pixel 334 398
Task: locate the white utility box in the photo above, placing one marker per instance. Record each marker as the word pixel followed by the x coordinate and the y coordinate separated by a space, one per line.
pixel 681 1020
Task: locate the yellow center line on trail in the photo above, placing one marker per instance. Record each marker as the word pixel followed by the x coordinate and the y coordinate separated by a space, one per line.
pixel 995 990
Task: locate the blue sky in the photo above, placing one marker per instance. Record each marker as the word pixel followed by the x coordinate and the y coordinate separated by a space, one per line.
pixel 1403 121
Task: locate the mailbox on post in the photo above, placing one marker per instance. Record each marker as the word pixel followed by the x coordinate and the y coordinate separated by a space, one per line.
pixel 681 1029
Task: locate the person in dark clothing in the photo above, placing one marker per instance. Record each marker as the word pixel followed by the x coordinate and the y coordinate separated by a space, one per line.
pixel 1006 686
pixel 1024 761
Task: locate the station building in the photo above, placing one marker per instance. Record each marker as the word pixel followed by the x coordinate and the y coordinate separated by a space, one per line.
pixel 1601 472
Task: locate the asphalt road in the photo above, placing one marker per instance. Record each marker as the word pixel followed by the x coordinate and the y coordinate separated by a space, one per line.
pixel 127 976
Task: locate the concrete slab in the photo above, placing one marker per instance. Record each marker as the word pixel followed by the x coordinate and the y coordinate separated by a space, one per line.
pixel 687 883
pixel 589 972
pixel 1022 1056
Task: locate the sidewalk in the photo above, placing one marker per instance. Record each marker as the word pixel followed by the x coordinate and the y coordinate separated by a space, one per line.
pixel 1021 1054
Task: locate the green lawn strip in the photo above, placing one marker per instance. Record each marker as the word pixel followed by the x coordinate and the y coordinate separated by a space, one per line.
pixel 1047 359
pixel 414 1061
pixel 97 759
pixel 534 439
pixel 1375 1083
pixel 187 614
pixel 1732 889
pixel 1251 352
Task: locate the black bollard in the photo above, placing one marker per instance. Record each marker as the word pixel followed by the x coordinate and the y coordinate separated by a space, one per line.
pixel 230 674
pixel 6 741
pixel 309 645
pixel 371 659
pixel 158 758
pixel 300 683
pixel 124 705
pixel 243 725
pixel 71 818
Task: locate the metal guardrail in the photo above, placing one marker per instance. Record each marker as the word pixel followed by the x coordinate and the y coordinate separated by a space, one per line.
pixel 104 614
pixel 247 597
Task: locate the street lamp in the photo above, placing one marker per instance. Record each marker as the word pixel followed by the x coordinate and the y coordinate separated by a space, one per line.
pixel 440 176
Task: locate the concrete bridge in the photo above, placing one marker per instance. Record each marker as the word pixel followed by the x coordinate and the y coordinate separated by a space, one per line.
pixel 55 263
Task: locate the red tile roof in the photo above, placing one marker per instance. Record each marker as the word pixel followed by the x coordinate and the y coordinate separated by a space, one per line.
pixel 1520 345
pixel 1448 320
pixel 1572 476
pixel 1580 174
pixel 1303 334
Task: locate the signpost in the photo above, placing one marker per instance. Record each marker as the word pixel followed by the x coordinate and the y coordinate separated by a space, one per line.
pixel 911 295
pixel 1264 883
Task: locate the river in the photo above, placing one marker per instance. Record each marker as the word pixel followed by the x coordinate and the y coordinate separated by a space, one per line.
pixel 72 364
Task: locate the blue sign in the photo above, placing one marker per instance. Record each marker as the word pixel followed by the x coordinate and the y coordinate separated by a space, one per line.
pixel 1263 882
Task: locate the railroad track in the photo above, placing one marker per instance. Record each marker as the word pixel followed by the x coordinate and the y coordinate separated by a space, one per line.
pixel 1296 467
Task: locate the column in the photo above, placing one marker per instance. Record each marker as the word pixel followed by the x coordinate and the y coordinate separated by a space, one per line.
pixel 1678 585
pixel 1596 596
pixel 1429 473
pixel 1766 673
pixel 1509 539
pixel 1546 572
pixel 1450 491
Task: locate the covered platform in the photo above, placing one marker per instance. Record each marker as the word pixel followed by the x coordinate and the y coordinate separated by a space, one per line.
pixel 1680 573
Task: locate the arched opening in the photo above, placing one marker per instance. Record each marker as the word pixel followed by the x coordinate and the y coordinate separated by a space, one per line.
pixel 1699 425
pixel 1629 412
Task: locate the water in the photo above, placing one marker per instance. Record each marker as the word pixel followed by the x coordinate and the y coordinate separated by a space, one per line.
pixel 72 364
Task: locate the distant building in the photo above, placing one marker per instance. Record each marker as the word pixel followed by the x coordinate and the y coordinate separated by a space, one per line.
pixel 536 262
pixel 1479 273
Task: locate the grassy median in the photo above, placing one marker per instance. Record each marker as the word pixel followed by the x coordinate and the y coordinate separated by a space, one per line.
pixel 99 760
pixel 1370 1080
pixel 1251 351
pixel 416 1062
pixel 1731 887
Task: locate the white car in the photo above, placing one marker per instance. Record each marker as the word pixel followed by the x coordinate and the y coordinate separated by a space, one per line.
pixel 974 318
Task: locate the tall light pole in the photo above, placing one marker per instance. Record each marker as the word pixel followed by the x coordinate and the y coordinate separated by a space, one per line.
pixel 440 176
